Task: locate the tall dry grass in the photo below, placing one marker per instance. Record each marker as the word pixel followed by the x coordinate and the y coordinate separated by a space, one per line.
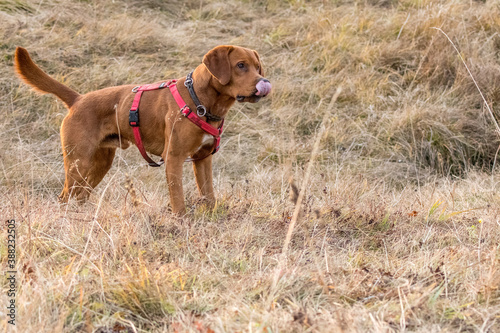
pixel 399 226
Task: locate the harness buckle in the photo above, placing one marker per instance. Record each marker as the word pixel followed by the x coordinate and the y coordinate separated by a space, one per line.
pixel 135 89
pixel 133 118
pixel 184 108
pixel 201 110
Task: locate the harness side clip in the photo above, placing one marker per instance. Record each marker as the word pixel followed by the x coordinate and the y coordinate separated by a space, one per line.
pixel 133 118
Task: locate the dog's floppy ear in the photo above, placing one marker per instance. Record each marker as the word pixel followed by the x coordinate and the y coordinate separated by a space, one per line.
pixel 261 70
pixel 217 63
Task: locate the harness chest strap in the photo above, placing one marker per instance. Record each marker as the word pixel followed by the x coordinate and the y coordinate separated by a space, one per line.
pixel 133 119
pixel 185 110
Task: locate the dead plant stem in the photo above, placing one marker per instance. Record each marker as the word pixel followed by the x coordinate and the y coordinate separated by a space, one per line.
pixel 296 213
pixel 495 122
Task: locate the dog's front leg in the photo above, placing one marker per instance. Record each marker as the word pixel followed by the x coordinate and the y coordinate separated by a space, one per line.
pixel 173 167
pixel 203 173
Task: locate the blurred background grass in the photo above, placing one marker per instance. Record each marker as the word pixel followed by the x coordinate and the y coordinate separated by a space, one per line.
pixel 408 103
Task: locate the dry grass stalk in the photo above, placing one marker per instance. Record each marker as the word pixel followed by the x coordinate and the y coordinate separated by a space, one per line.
pixel 493 119
pixel 305 183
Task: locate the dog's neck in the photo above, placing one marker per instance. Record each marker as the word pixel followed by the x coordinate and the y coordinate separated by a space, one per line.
pixel 205 85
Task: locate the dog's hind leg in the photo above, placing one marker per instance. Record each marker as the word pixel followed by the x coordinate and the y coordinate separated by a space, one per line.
pixel 76 168
pixel 101 163
pixel 80 149
pixel 82 178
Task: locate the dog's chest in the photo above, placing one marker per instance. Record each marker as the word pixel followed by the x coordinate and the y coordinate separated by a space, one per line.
pixel 206 140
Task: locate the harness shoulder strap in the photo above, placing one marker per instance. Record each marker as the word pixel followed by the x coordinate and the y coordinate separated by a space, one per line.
pixel 192 116
pixel 195 119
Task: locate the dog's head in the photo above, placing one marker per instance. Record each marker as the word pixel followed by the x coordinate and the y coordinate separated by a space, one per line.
pixel 238 73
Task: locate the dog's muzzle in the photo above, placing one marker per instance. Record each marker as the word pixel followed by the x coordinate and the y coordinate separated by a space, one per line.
pixel 262 89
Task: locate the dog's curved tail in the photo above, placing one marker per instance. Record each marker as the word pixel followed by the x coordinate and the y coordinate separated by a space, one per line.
pixel 32 75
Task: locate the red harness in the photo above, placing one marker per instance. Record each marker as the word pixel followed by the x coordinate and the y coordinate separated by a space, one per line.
pixel 185 110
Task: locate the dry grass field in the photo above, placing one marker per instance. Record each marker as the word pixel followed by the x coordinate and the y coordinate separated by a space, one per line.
pixel 399 228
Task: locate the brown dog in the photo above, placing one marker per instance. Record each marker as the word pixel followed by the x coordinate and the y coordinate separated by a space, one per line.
pixel 98 122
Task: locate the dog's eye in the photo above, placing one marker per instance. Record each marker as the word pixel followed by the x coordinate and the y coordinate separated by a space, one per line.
pixel 241 65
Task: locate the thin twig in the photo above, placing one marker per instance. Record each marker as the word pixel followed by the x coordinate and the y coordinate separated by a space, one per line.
pixel 402 27
pixel 305 184
pixel 474 80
